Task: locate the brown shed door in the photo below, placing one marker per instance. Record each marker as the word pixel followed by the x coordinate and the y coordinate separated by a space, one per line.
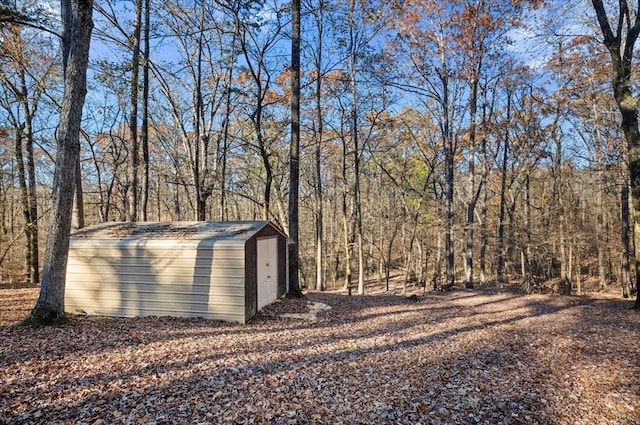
pixel 267 271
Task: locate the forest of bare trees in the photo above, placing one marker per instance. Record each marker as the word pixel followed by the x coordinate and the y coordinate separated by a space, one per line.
pixel 458 141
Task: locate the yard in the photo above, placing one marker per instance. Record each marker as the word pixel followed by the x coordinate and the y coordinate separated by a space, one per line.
pixel 459 357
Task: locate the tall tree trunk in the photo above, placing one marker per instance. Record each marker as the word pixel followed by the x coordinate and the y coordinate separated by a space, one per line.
pixel 34 265
pixel 387 263
pixel 361 268
pixel 448 241
pixel 28 176
pixel 483 218
pixel 268 182
pixel 483 207
pixel 225 135
pixel 437 266
pixel 134 161
pixel 526 273
pixel 24 199
pixel 144 136
pixel 294 154
pixel 348 234
pixel 600 226
pixel 77 221
pixel 472 196
pixel 200 139
pixel 357 209
pixel 412 239
pixel 626 238
pixel 578 274
pixel 503 197
pixel 320 286
pixel 562 220
pixel 621 66
pixel 76 34
pixel 449 163
pixel 408 267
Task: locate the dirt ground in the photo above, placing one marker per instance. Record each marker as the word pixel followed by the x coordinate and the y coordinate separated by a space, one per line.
pixel 458 357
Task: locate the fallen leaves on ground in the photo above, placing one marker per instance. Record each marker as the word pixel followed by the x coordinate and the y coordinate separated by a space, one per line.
pixel 461 357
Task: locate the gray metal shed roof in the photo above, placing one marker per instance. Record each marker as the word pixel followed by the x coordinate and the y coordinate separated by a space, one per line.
pixel 164 233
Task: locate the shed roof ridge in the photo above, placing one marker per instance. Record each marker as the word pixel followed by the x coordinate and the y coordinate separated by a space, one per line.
pixel 178 230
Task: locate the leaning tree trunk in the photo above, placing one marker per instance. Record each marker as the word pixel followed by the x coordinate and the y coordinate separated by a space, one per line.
pixel 76 35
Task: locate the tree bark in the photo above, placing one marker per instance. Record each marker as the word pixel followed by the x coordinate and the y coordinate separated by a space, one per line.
pixel 24 198
pixel 347 232
pixel 294 154
pixel 77 221
pixel 225 133
pixel 134 160
pixel 76 35
pixel 34 255
pixel 621 66
pixel 357 208
pixel 201 140
pixel 483 206
pixel 319 16
pixel 483 216
pixel 626 249
pixel 526 273
pixel 144 135
pixel 600 229
pixel 472 196
pixel 449 158
pixel 503 197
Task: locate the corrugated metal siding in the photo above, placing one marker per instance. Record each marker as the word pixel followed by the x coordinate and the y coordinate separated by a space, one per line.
pixel 185 269
pixel 156 279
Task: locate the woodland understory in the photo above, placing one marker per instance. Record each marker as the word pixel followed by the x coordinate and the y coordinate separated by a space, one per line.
pixel 430 139
pixel 455 357
pixel 474 150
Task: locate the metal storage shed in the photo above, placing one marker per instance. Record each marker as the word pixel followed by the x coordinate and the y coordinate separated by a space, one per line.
pixel 216 270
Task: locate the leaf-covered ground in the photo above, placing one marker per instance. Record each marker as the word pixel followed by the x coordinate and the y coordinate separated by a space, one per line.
pixel 460 357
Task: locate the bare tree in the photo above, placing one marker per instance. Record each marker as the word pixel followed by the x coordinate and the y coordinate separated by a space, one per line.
pixel 76 35
pixel 294 154
pixel 134 157
pixel 620 41
pixel 144 131
pixel 319 17
pixel 27 72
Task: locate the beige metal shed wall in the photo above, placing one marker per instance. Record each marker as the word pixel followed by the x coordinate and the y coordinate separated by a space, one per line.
pixel 164 278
